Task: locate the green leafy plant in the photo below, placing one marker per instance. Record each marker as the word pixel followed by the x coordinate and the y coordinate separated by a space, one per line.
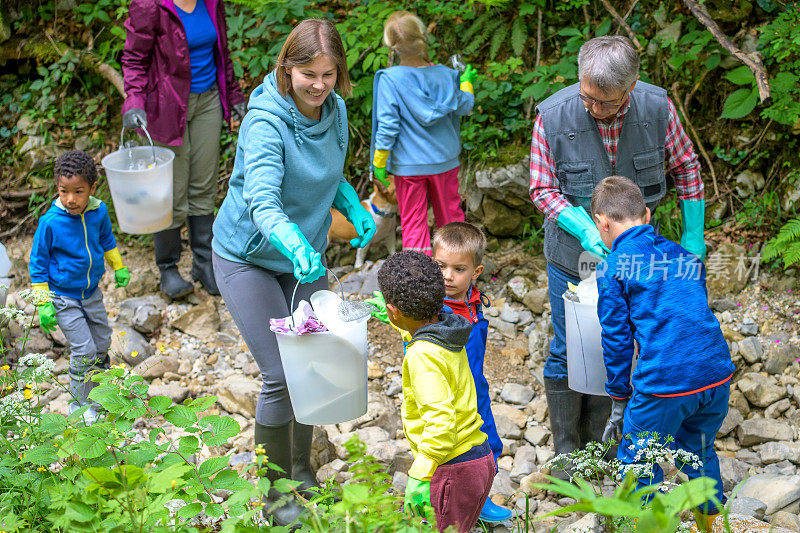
pixel 786 245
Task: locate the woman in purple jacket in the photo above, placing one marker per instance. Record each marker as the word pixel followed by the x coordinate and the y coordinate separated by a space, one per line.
pixel 179 84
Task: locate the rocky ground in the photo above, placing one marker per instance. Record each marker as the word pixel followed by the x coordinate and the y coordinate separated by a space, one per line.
pixel 192 348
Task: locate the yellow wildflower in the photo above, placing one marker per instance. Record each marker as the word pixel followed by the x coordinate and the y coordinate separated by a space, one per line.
pixel 27 393
pixel 41 469
pixel 173 483
pixel 5 368
pixel 134 353
pixel 121 333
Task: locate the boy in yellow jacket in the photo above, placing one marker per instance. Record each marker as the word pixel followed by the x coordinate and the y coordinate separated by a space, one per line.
pixel 453 465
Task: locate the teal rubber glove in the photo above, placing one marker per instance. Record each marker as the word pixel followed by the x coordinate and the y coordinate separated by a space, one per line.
pixel 469 75
pixel 378 301
pixel 347 203
pixel 417 500
pixel 287 238
pixel 693 214
pixel 47 317
pixel 577 222
pixel 380 175
pixel 122 276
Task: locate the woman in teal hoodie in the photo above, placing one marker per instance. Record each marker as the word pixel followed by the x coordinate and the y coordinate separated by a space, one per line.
pixel 271 230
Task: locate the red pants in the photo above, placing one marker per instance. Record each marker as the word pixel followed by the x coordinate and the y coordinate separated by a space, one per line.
pixel 413 193
pixel 458 492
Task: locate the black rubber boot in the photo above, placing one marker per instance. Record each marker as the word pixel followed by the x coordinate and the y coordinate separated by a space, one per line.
pixel 302 436
pixel 564 405
pixel 594 416
pixel 277 444
pixel 200 242
pixel 167 248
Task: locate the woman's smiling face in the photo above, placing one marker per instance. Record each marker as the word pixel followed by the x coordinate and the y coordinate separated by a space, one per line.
pixel 312 83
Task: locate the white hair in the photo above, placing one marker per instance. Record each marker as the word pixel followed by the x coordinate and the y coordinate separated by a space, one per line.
pixel 608 62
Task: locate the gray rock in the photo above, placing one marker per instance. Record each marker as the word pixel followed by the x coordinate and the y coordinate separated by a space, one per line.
pixel 777 409
pixel 748 183
pixel 509 314
pixel 507 329
pixel 773 452
pixel 176 392
pixel 728 270
pixel 751 349
pixel 510 446
pixel 525 318
pixel 156 367
pixel 508 185
pixel 783 468
pixel 518 287
pixel 544 454
pixel 535 299
pixel 399 482
pixel 238 394
pixel 774 490
pixel 749 457
pixel 506 428
pixel 143 313
pixel 745 524
pixel 731 422
pixel 732 471
pixel 524 462
pixel 201 321
pixel 503 484
pixel 241 458
pixel 500 220
pixel 723 304
pixel 129 344
pixel 537 435
pixel 749 329
pixel 590 523
pixel 758 430
pixel 516 393
pixel 395 386
pixel 786 520
pixel 780 358
pixel 760 390
pixel 747 506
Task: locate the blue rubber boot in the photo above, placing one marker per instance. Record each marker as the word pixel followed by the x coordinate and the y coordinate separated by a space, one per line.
pixel 493 513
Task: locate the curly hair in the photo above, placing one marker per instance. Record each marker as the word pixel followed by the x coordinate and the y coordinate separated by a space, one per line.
pixel 412 282
pixel 76 163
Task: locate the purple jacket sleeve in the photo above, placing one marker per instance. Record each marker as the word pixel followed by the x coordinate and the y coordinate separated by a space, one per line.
pixel 617 336
pixel 138 51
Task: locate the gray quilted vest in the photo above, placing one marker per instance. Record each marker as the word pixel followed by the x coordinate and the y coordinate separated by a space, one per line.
pixel 582 161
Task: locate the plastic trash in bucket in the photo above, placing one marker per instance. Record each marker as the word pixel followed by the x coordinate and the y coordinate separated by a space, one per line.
pixel 586 369
pixel 326 373
pixel 140 179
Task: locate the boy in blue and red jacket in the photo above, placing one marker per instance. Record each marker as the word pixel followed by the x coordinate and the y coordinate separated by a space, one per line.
pixel 653 291
pixel 458 249
pixel 71 241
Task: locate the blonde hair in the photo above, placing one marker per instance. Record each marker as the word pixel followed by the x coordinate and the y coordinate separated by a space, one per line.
pixel 461 238
pixel 309 39
pixel 405 34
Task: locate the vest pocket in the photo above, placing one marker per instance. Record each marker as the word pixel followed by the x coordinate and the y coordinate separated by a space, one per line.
pixel 577 182
pixel 649 168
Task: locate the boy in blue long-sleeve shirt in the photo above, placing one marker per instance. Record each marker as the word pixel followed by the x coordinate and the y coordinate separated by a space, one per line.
pixel 69 246
pixel 653 291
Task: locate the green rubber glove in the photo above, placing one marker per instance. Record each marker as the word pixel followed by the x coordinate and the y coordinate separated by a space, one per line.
pixel 693 214
pixel 378 301
pixel 577 222
pixel 469 75
pixel 380 175
pixel 287 238
pixel 47 317
pixel 417 500
pixel 347 203
pixel 122 276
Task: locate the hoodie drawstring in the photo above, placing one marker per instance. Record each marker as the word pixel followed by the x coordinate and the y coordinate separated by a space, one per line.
pixel 294 126
pixel 341 137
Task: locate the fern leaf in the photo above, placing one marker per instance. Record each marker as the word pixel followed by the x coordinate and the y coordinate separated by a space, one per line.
pixel 519 35
pixel 770 251
pixel 476 26
pixel 790 231
pixel 498 39
pixel 791 255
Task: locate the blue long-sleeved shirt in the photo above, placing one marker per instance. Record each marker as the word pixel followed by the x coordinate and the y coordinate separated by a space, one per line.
pixel 654 291
pixel 415 115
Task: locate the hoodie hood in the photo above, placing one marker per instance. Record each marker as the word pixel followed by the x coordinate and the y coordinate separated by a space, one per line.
pixel 266 97
pixel 451 332
pixel 93 204
pixel 430 93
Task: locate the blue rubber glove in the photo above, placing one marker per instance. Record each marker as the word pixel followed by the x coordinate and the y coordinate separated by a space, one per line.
pixel 577 222
pixel 287 238
pixel 348 204
pixel 693 214
pixel 417 501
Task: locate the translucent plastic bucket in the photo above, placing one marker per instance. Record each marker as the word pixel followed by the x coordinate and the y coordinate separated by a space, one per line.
pixel 586 370
pixel 140 179
pixel 5 269
pixel 326 373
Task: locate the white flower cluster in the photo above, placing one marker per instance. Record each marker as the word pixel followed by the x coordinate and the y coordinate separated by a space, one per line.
pixel 38 365
pixel 11 404
pixel 36 296
pixel 11 313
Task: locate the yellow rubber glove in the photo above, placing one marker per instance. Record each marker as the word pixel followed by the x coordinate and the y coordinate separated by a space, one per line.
pixel 114 259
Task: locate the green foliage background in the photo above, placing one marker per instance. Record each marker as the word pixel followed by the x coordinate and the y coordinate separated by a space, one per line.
pixel 524 52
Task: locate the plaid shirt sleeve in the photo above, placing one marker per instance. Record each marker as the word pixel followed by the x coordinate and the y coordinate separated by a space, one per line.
pixel 682 163
pixel 544 188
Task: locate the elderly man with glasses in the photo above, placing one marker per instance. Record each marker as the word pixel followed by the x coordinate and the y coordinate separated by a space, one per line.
pixel 609 123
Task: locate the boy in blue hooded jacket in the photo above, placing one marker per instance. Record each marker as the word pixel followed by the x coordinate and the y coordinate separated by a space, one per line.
pixel 653 291
pixel 69 245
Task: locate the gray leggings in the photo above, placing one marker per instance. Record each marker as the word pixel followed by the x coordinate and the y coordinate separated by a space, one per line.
pixel 253 295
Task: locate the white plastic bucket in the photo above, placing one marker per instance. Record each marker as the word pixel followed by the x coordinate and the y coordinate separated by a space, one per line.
pixel 5 269
pixel 326 373
pixel 586 370
pixel 140 180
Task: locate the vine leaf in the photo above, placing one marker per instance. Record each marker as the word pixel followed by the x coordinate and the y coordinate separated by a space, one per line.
pixel 740 103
